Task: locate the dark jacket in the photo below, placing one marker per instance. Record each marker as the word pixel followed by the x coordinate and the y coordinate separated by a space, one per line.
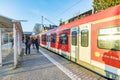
pixel 28 41
pixel 37 42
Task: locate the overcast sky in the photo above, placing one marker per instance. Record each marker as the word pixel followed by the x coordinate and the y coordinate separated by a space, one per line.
pixel 32 10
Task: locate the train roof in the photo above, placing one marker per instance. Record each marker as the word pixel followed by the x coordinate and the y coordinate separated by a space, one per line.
pixel 113 11
pixel 49 31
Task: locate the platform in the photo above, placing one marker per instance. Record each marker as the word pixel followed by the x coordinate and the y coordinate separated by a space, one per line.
pixel 48 66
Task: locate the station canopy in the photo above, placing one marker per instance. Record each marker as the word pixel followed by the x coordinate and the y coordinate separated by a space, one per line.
pixel 6 24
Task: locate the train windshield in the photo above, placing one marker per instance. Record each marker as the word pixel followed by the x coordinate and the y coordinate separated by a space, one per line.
pixel 109 38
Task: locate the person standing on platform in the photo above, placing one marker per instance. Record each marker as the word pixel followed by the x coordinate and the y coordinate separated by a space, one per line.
pixel 37 44
pixel 28 44
pixel 33 43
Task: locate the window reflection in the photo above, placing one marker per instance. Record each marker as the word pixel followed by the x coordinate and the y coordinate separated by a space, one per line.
pixel 53 38
pixel 107 40
pixel 64 38
pixel 84 38
pixel 74 38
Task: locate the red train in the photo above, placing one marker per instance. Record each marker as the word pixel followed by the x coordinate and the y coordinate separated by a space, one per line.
pixel 92 41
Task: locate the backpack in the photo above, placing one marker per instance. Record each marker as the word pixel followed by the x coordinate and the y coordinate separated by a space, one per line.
pixel 29 42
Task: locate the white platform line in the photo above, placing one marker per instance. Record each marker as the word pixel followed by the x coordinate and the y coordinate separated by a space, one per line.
pixel 62 68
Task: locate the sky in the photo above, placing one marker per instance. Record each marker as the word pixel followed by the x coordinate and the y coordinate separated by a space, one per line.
pixel 33 10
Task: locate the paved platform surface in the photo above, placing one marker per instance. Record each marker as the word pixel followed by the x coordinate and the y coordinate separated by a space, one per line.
pixel 47 66
pixel 34 67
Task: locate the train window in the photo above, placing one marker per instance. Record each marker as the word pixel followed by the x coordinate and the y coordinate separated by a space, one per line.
pixel 84 38
pixel 74 38
pixel 43 37
pixel 64 38
pixel 53 38
pixel 109 38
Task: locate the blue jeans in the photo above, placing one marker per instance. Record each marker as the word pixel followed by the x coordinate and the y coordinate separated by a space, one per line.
pixel 27 49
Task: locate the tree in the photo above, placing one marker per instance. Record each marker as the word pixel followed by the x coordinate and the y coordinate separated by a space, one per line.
pixel 103 4
pixel 37 28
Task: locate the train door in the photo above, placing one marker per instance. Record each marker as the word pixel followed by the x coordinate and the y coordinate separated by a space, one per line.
pixel 74 44
pixel 85 43
pixel 48 41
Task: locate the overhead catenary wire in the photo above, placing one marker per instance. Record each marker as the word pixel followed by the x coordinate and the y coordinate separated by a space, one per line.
pixel 63 12
pixel 49 21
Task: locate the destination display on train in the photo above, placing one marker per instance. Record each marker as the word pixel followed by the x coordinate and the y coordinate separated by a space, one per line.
pixel 113 30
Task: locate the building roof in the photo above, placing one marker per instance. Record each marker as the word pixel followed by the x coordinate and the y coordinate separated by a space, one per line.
pixel 6 24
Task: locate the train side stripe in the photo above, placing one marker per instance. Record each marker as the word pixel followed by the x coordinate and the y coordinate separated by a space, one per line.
pixel 106 19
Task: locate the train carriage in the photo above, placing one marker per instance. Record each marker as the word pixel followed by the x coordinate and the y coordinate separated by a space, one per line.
pixel 64 43
pixel 106 46
pixel 46 39
pixel 92 41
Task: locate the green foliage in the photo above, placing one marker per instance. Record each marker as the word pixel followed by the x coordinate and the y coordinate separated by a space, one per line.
pixel 103 4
